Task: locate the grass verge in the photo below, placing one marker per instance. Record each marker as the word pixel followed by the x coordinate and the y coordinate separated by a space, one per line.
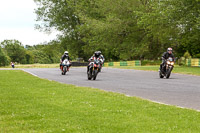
pixel 36 66
pixel 31 104
pixel 177 69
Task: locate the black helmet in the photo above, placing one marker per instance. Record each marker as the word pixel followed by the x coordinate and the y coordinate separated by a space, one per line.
pixel 96 54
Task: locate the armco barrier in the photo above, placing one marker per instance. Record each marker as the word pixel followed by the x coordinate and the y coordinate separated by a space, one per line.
pixel 188 62
pixel 116 63
pixel 110 64
pixel 193 62
pixel 124 63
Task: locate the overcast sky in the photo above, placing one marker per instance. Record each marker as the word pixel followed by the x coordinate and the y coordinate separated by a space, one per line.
pixel 17 20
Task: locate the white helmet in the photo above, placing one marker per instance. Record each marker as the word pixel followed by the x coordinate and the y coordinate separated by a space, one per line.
pixel 169 50
pixel 66 52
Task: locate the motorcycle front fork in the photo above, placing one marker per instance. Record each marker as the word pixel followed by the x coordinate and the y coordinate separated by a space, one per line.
pixel 93 70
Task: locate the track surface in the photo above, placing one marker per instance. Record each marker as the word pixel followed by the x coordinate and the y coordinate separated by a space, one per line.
pixel 180 90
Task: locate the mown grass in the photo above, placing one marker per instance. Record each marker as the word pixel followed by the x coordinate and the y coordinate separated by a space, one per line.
pixel 57 65
pixel 34 66
pixel 177 69
pixel 30 104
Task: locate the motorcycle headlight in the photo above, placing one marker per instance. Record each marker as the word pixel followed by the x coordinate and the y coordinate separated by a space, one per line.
pixel 172 63
pixel 168 62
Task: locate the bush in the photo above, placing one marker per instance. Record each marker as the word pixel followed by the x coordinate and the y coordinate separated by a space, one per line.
pixel 150 62
pixel 197 56
pixel 187 55
pixel 182 61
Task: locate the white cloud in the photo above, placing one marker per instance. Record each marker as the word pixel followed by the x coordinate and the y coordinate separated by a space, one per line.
pixel 27 36
pixel 17 20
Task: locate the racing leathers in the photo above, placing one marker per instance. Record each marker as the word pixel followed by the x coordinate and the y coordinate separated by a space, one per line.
pixel 164 57
pixel 94 58
pixel 62 59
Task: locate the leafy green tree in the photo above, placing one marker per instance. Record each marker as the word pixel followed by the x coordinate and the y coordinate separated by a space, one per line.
pixel 4 59
pixel 40 57
pixel 173 23
pixel 60 15
pixel 29 57
pixel 53 51
pixel 14 50
pixel 123 29
pixel 44 53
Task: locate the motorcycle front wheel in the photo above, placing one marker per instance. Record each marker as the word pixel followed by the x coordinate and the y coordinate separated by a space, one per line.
pixel 95 74
pixel 168 72
pixel 160 74
pixel 64 70
pixel 89 73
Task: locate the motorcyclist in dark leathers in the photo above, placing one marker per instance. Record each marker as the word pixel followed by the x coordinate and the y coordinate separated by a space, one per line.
pixel 165 56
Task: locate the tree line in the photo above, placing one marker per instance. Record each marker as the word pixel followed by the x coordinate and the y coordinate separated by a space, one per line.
pixel 15 51
pixel 121 29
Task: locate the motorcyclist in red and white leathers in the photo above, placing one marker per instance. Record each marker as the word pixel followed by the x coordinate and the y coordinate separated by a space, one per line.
pixel 64 56
pixel 102 60
pixel 101 57
pixel 96 56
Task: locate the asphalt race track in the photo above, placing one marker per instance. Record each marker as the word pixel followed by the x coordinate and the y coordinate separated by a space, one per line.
pixel 180 90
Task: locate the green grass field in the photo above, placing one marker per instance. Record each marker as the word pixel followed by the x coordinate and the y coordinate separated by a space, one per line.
pixel 34 66
pixel 31 104
pixel 177 69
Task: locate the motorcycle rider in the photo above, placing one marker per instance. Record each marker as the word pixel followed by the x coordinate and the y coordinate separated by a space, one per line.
pixel 12 64
pixel 95 56
pixel 101 57
pixel 165 56
pixel 64 56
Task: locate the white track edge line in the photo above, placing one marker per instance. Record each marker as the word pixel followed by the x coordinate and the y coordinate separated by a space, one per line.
pixel 30 73
pixel 167 104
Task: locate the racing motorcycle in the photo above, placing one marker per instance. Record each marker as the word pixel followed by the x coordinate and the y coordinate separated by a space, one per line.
pixel 65 66
pixel 167 68
pixel 93 69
